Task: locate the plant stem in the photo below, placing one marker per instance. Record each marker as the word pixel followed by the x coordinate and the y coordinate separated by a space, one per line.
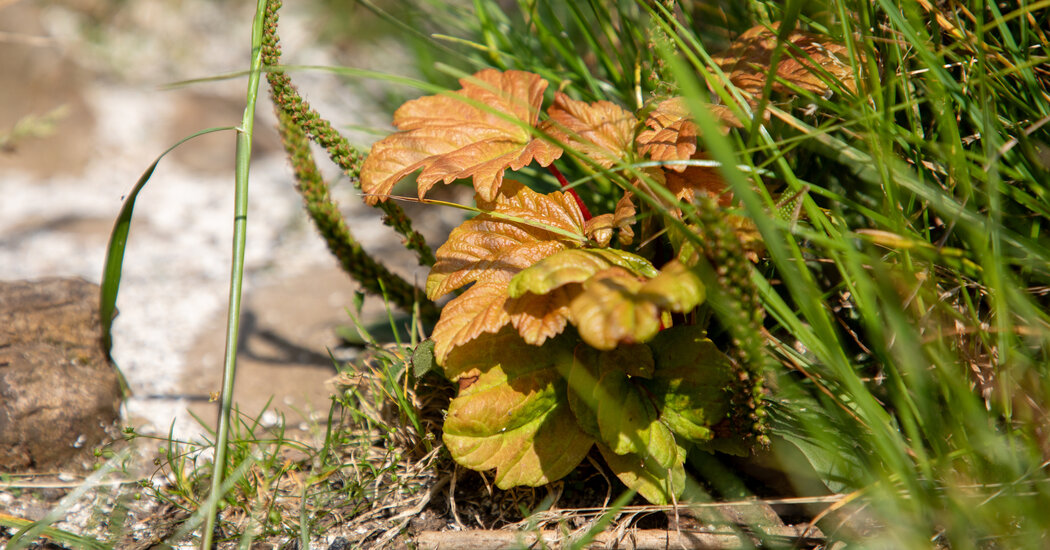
pixel 565 185
pixel 240 223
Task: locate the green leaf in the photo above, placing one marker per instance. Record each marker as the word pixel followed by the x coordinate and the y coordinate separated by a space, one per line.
pixel 658 484
pixel 633 359
pixel 114 265
pixel 609 312
pixel 575 266
pixel 690 382
pixel 610 406
pixel 675 288
pixel 826 442
pixel 515 416
pixel 423 358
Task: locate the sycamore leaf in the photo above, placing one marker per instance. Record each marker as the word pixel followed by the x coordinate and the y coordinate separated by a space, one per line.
pixel 616 306
pixel 676 288
pixel 538 317
pixel 633 359
pixel 600 229
pixel 515 416
pixel 657 484
pixel 608 311
pixel 491 242
pixel 611 407
pixel 606 396
pixel 486 308
pixel 513 353
pixel 804 62
pixel 476 311
pixel 623 219
pixel 450 137
pixel 603 131
pixel 690 382
pixel 656 177
pixel 575 265
pixel 672 133
pixel 703 179
pixel 488 251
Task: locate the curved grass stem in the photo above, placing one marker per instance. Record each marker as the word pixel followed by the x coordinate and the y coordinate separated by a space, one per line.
pixel 240 224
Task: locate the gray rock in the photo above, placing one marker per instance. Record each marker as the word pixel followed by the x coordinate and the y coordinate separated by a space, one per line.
pixel 59 396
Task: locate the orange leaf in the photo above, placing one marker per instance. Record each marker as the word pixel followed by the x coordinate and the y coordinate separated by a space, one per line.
pixel 623 218
pixel 489 250
pixel 705 179
pixel 450 137
pixel 476 311
pixel 748 58
pixel 672 133
pixel 491 242
pixel 600 229
pixel 601 130
pixel 617 307
pixel 538 317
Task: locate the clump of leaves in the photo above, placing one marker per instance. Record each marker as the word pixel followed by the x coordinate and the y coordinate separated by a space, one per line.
pixel 566 338
pixel 809 63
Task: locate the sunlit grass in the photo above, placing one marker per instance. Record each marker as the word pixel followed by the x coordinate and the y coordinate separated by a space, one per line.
pixel 907 308
pixel 907 327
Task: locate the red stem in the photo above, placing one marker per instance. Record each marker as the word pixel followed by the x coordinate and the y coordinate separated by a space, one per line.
pixel 565 185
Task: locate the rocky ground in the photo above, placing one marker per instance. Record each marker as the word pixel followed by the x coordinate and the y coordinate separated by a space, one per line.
pixel 98 70
pixel 85 106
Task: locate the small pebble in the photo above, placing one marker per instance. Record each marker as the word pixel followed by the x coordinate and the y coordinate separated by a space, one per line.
pixel 339 543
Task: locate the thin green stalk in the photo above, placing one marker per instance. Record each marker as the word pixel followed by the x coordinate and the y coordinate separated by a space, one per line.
pixel 240 225
pixel 113 266
pixel 304 519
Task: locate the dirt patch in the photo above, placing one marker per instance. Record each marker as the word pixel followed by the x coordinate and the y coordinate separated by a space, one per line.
pixel 38 79
pixel 283 362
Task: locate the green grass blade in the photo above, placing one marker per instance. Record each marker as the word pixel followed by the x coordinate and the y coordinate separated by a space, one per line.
pixel 118 239
pixel 240 223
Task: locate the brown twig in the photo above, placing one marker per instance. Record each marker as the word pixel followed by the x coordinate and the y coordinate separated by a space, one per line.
pixel 637 539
